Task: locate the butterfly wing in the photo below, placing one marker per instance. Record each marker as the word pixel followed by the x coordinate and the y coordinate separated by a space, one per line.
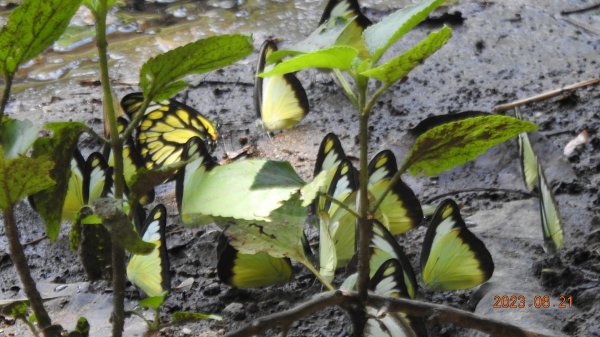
pixel 400 210
pixel 452 257
pixel 151 272
pixel 250 270
pixel 343 11
pixel 74 199
pixel 528 159
pixel 280 100
pixel 551 225
pixel 191 174
pixel 337 226
pixel 383 248
pixel 97 180
pixel 165 128
pixel 95 246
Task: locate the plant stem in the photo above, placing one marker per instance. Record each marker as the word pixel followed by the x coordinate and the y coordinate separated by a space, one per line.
pixel 313 270
pixel 340 204
pixel 346 86
pixel 20 262
pixel 430 311
pixel 364 224
pixel 118 253
pixel 5 94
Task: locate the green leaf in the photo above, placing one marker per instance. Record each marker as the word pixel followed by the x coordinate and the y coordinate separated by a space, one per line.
pixel 17 309
pixel 17 137
pixel 161 76
pixel 380 36
pixel 153 302
pixel 243 190
pixel 21 177
pixel 193 316
pixel 310 191
pixel 114 218
pixel 59 147
pixel 401 65
pixel 279 237
pixel 443 142
pixel 337 57
pixel 31 28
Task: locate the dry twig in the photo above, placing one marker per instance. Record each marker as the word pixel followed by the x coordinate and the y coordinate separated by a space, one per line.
pixel 546 95
pixel 430 311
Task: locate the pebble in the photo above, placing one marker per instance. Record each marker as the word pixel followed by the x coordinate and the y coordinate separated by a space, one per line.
pixel 236 311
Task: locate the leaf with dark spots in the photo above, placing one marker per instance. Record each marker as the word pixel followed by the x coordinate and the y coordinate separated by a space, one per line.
pixel 443 142
pixel 60 146
pixel 31 28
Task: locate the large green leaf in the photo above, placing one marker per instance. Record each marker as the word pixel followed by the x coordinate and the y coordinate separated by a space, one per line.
pixel 380 36
pixel 21 177
pixel 245 190
pixel 443 142
pixel 31 28
pixel 59 147
pixel 279 237
pixel 17 136
pixel 337 57
pixel 161 76
pixel 401 65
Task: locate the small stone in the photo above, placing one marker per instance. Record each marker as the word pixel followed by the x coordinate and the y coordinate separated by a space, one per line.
pixel 186 331
pixel 236 311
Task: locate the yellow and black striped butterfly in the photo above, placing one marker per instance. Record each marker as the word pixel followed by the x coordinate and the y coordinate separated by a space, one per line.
pixel 90 179
pixel 528 159
pixel 165 128
pixel 452 257
pixel 201 162
pixel 94 246
pixel 347 10
pixel 388 281
pixel 383 248
pixel 551 224
pixel 337 227
pixel 400 210
pixel 393 276
pixel 132 161
pixel 280 100
pixel 250 270
pixel 151 272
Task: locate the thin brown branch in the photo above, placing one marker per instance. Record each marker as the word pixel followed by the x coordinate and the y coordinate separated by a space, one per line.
pixel 441 313
pixel 34 241
pixel 546 95
pixel 17 255
pixel 286 318
pixel 432 312
pixel 479 190
pixel 580 10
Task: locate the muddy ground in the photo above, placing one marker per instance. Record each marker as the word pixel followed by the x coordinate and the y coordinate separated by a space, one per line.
pixel 500 51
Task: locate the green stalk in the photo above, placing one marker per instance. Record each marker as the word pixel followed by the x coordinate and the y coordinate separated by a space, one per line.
pixel 314 270
pixel 8 78
pixel 118 253
pixel 15 250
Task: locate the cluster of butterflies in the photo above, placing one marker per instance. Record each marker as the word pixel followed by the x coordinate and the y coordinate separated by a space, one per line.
pixel 452 257
pixel 533 177
pixel 91 179
pixel 159 140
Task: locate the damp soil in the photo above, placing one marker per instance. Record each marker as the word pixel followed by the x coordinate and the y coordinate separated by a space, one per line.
pixel 500 51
